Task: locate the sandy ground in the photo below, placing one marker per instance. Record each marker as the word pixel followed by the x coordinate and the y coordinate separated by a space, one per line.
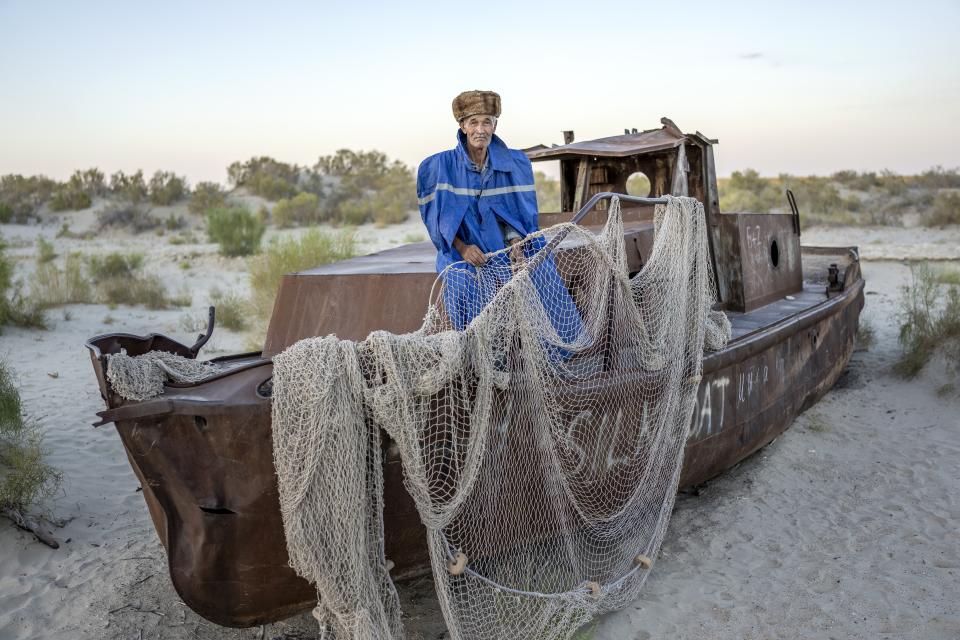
pixel 845 527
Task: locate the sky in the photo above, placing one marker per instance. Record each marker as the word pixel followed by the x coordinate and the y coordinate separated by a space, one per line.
pixel 803 88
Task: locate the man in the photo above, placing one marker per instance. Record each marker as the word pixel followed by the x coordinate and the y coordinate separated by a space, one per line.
pixel 476 200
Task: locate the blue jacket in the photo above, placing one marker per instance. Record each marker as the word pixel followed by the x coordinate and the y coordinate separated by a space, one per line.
pixel 454 198
pixel 458 198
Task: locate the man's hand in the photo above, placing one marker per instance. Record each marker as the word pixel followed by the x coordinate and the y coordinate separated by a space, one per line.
pixel 470 252
pixel 516 252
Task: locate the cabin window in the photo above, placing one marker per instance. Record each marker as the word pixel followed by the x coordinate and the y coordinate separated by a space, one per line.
pixel 774 254
pixel 638 184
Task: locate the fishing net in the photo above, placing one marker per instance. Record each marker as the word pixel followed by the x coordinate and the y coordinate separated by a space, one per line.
pixel 143 377
pixel 541 413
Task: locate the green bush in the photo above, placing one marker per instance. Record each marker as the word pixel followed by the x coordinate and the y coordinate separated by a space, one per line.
pixel 6 213
pixel 126 215
pixel 366 187
pixel 937 178
pixel 114 265
pixel 45 250
pixel 166 188
pixel 21 197
pixel 548 192
pixel 301 210
pixel 289 255
pixel 206 195
pixel 26 479
pixel 747 191
pixel 929 320
pixel 119 279
pixel 15 308
pixel 131 188
pixel 231 310
pixel 265 177
pixel 147 290
pixel 946 209
pixel 69 199
pixel 51 286
pixel 857 181
pixel 91 182
pixel 235 229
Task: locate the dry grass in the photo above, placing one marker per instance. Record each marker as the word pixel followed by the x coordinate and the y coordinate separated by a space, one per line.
pixel 26 479
pixel 929 320
pixel 288 255
pixel 52 286
pixel 232 310
pixel 866 335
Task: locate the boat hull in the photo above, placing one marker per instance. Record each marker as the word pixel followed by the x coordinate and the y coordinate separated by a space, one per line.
pixel 203 452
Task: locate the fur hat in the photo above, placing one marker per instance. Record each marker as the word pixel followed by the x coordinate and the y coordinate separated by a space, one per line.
pixel 471 103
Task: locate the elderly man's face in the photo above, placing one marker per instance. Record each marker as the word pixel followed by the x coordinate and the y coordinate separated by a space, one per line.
pixel 479 130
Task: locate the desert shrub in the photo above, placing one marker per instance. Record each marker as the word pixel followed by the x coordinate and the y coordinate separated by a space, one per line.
pixel 114 265
pixel 893 184
pixel 16 308
pixel 6 283
pixel 365 186
pixel 68 198
pixel 265 177
pixel 937 178
pixel 548 192
pixel 45 250
pixel 747 191
pixel 147 290
pixel 173 222
pixel 288 255
pixel 22 196
pixel 857 181
pixel 929 319
pixel 26 479
pixel 126 215
pixel 235 229
pixel 411 238
pixel 166 188
pixel 866 334
pixel 943 274
pixel 394 196
pixel 51 285
pixel 302 209
pixel 119 279
pixel 131 188
pixel 183 238
pixel 817 196
pixel 78 192
pixel 91 182
pixel 946 209
pixel 206 195
pixel 231 309
pixel 355 211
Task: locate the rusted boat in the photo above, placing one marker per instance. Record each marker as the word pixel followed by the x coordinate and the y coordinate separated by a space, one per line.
pixel 203 451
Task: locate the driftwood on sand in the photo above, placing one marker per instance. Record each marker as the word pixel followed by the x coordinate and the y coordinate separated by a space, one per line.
pixel 27 523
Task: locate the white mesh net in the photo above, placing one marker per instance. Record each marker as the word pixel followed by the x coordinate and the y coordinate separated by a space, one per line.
pixel 541 414
pixel 143 377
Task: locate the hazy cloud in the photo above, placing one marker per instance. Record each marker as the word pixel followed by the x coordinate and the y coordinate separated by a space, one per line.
pixel 751 56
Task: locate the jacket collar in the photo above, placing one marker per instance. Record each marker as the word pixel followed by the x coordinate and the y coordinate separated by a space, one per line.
pixel 498 156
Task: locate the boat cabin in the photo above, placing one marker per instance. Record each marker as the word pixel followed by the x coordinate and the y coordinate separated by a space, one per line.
pixel 756 256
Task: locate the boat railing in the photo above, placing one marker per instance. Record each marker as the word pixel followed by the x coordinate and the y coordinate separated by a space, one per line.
pixel 580 215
